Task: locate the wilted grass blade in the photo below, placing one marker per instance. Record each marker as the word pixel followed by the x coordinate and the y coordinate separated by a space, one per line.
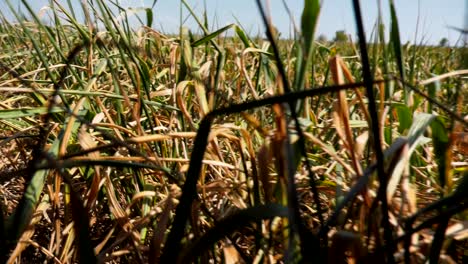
pixel 447 207
pixel 111 163
pixel 3 236
pixel 80 224
pixel 368 79
pixel 189 189
pixel 415 138
pixel 391 154
pixel 219 49
pixel 139 96
pixel 87 94
pixel 435 102
pixel 158 236
pixel 298 224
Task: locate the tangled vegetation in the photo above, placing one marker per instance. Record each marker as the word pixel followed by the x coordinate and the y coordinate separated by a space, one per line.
pixel 120 144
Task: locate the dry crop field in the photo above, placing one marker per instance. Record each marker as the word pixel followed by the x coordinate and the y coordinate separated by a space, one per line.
pixel 121 144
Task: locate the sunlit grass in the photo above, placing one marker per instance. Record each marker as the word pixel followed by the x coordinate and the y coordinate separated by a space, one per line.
pixel 124 144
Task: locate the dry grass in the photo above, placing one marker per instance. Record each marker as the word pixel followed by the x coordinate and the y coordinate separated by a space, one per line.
pixel 124 145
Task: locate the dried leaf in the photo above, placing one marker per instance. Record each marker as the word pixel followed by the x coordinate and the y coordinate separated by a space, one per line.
pixel 231 256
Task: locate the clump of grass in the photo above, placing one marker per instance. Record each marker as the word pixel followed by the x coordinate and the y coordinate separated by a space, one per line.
pixel 123 144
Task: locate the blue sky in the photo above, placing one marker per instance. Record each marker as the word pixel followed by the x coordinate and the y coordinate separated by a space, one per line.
pixel 435 16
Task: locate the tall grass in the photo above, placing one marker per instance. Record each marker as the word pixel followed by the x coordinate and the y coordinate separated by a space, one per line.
pixel 123 144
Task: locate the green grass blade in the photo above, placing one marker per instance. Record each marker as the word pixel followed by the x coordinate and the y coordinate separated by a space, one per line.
pixel 72 19
pixel 415 139
pixel 309 20
pixel 27 112
pixel 211 36
pixel 19 220
pixel 149 17
pixel 441 149
pixel 221 52
pixel 243 37
pixel 405 117
pixel 396 44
